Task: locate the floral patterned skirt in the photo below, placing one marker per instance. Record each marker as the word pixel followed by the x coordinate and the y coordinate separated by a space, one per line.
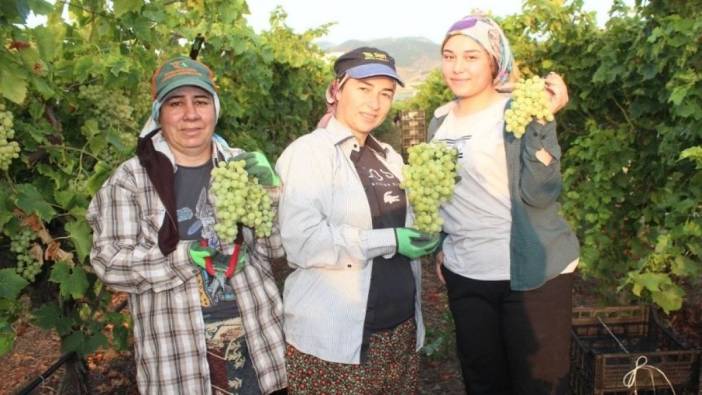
pixel 391 367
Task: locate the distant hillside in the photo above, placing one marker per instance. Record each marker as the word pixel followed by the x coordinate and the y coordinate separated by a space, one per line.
pixel 407 51
pixel 415 57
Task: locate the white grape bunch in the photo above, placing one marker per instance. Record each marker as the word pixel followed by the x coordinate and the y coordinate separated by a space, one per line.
pixel 21 245
pixel 429 179
pixel 529 100
pixel 9 150
pixel 239 199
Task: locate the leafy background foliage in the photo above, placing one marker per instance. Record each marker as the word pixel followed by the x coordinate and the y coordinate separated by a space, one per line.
pixel 79 91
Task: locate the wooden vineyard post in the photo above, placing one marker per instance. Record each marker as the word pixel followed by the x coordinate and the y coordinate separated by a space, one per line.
pixel 413 129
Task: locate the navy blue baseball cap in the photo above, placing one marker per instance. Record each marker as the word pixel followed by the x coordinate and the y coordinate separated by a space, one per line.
pixel 366 62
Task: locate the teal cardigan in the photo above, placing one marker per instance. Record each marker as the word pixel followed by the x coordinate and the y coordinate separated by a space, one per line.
pixel 541 244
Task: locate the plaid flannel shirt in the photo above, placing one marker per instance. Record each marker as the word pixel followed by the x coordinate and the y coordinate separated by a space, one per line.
pixel 164 301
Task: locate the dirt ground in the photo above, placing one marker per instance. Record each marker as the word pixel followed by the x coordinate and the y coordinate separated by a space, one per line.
pixel 110 372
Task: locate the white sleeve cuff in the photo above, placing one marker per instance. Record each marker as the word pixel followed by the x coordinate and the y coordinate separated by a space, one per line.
pixel 377 242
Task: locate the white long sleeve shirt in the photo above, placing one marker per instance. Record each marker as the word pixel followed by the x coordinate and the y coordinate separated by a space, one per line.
pixel 328 235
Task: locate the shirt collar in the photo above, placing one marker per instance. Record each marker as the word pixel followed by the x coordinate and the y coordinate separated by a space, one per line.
pixel 341 134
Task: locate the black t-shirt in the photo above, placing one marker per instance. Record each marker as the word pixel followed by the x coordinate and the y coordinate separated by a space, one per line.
pixel 191 200
pixel 392 290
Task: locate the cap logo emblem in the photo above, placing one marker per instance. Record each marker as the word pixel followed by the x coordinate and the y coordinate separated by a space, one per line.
pixel 375 56
pixel 180 68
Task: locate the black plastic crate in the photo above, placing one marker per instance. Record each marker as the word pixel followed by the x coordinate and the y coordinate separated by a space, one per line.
pixel 599 362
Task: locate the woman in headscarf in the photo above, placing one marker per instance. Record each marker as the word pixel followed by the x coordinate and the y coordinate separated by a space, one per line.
pixel 508 256
pixel 352 311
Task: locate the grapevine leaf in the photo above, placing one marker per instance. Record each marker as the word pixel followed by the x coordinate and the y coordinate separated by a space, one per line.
pixel 60 272
pixel 96 341
pixel 65 198
pixel 101 172
pixel 5 211
pixel 15 11
pixel 13 86
pixel 121 7
pixel 43 88
pixel 83 344
pixel 670 299
pixel 12 283
pixel 72 280
pixel 683 266
pixel 693 153
pixel 30 200
pixel 678 95
pixel 83 67
pixel 7 338
pixel 80 234
pixel 49 316
pixel 636 289
pixel 120 336
pixel 55 175
pixel 652 281
pixel 75 342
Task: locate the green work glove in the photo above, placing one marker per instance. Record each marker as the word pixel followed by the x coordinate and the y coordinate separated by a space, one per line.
pixel 413 243
pixel 258 166
pixel 198 253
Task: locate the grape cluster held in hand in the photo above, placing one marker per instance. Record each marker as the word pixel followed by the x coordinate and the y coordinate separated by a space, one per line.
pixel 429 179
pixel 239 199
pixel 529 100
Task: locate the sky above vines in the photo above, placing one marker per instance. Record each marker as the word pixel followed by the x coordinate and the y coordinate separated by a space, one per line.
pixel 371 19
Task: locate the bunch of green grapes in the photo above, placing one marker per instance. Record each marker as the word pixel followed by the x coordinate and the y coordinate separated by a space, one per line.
pixel 529 100
pixel 111 107
pixel 21 244
pixel 109 110
pixel 9 150
pixel 239 199
pixel 429 179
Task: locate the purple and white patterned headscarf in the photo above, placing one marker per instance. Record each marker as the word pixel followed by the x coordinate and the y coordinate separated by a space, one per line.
pixel 488 34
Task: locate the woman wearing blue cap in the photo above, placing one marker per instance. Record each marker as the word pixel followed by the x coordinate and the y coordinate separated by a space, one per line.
pixel 508 255
pixel 352 309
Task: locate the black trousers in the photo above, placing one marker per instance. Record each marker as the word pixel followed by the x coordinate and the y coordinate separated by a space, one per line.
pixel 512 342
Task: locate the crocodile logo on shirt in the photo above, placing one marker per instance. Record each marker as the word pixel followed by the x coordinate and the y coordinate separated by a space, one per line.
pixel 389 198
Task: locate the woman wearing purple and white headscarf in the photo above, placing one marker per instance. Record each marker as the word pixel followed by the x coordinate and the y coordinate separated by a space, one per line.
pixel 508 256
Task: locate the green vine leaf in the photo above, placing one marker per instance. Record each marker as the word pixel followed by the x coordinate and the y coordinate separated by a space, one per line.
pixel 83 344
pixel 670 298
pixel 123 6
pixel 81 235
pixel 13 85
pixel 30 200
pixel 49 316
pixel 12 283
pixel 72 280
pixel 7 338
